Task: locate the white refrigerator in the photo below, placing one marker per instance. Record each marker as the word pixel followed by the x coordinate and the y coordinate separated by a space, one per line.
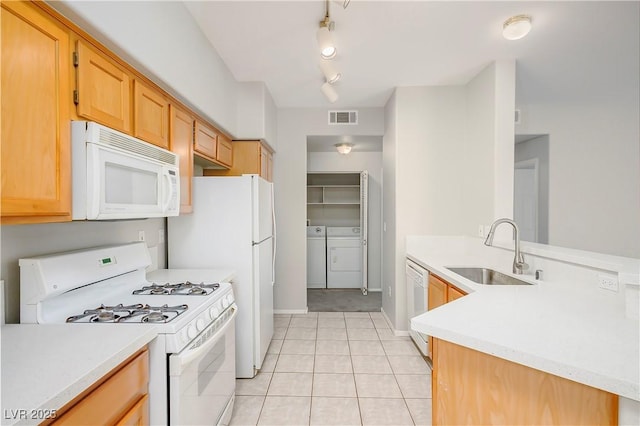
pixel 232 227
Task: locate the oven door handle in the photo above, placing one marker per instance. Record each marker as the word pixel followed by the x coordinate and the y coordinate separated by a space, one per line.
pixel 178 361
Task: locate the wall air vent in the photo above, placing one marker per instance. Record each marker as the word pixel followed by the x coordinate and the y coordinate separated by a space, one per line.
pixel 343 117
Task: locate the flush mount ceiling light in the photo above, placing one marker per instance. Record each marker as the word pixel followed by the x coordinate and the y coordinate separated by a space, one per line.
pixel 325 41
pixel 344 148
pixel 329 72
pixel 329 92
pixel 516 27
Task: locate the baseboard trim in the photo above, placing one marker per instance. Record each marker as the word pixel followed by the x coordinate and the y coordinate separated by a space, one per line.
pixel 291 311
pixel 399 333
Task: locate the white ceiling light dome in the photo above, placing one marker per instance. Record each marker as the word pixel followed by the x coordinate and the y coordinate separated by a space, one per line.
pixel 344 148
pixel 516 27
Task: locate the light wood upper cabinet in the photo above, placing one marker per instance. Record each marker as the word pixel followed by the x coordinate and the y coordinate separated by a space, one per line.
pixel 36 105
pixel 249 157
pixel 103 92
pixel 150 115
pixel 206 140
pixel 181 127
pixel 224 151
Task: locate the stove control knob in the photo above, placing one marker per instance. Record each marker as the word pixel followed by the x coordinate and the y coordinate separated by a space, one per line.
pixel 200 324
pixel 214 312
pixel 192 332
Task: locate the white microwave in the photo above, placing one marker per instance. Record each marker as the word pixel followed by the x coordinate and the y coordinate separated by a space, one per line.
pixel 116 176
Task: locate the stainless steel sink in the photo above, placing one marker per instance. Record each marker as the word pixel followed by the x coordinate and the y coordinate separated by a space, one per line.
pixel 487 276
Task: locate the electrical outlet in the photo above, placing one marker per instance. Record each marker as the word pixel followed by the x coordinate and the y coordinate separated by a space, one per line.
pixel 608 282
pixel 141 236
pixel 160 236
pixel 480 231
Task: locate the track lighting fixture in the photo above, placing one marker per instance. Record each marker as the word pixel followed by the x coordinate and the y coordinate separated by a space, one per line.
pixel 325 41
pixel 329 72
pixel 329 92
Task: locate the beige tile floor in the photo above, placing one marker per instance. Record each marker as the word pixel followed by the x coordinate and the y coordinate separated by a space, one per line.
pixel 336 368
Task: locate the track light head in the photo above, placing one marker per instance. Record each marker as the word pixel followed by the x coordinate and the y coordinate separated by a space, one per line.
pixel 329 92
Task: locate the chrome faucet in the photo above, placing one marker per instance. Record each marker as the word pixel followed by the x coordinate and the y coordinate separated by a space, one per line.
pixel 518 261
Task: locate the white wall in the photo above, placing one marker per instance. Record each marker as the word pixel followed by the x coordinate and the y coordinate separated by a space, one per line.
pixel 594 172
pixel 20 241
pixel 294 125
pixel 429 154
pixel 356 162
pixel 447 167
pixel 163 41
pixel 257 113
pixel 389 169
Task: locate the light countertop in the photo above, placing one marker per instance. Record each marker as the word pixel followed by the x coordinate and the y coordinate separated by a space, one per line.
pixel 580 335
pixel 46 366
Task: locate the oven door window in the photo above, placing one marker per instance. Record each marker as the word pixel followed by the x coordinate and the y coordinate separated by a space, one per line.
pixel 202 381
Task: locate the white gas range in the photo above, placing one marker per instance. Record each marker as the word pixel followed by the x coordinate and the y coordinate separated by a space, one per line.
pixel 192 361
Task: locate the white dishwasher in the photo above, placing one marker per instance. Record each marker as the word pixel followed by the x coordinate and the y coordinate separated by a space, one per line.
pixel 417 293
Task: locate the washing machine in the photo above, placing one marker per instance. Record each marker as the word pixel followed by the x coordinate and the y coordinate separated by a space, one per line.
pixel 344 257
pixel 316 257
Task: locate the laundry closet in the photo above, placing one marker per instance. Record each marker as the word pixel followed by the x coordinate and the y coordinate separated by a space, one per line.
pixel 337 217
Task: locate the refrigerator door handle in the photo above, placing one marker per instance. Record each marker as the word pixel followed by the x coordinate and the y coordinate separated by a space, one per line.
pixel 273 242
pixel 255 243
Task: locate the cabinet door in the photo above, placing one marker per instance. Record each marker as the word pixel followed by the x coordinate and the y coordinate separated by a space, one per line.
pixel 103 90
pixel 270 167
pixel 437 296
pixel 453 294
pixel 114 398
pixel 150 115
pixel 224 152
pixel 264 162
pixel 36 103
pixel 138 415
pixel 206 140
pixel 182 144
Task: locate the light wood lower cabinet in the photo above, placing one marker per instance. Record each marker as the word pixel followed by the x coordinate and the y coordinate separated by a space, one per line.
pixel 36 104
pixel 440 292
pixel 120 399
pixel 474 388
pixel 249 157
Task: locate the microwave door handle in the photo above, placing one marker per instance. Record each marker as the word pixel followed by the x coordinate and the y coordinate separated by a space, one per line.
pixel 168 192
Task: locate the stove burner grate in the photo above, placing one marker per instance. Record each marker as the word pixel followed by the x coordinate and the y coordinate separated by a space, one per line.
pixel 131 313
pixel 187 289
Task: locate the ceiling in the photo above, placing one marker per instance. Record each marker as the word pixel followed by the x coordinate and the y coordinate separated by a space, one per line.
pixel 385 44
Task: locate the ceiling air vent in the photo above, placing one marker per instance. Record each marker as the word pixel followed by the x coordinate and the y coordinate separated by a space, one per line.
pixel 343 117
